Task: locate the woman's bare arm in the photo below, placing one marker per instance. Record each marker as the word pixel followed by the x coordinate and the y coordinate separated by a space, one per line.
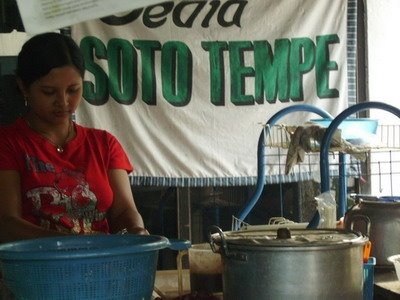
pixel 123 213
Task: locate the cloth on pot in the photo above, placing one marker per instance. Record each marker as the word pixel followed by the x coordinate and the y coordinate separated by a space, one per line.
pixel 307 138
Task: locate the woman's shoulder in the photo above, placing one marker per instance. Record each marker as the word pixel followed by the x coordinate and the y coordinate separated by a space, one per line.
pixel 97 133
pixel 11 129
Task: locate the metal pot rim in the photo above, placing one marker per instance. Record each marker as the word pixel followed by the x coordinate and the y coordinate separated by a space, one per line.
pixel 301 239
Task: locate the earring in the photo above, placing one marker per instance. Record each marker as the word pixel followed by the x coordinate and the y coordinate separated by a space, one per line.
pixel 26 101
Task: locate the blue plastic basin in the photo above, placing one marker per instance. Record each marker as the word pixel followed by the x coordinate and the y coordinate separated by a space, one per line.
pixel 353 128
pixel 89 267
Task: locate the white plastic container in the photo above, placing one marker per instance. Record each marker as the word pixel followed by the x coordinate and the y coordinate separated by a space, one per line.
pixel 205 269
pixel 395 259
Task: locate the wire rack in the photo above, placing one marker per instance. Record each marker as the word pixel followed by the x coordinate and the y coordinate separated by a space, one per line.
pixel 278 144
pixel 273 223
pixel 285 163
pixel 386 137
pixel 372 168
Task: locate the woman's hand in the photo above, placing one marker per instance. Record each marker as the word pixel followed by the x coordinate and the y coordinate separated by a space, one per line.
pixel 139 231
pixel 135 230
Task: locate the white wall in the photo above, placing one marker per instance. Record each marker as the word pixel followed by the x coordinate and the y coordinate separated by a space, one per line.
pixel 11 43
pixel 383 25
pixel 383 50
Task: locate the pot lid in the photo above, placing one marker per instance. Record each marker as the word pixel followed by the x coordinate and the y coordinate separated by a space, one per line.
pixel 284 237
pixel 384 200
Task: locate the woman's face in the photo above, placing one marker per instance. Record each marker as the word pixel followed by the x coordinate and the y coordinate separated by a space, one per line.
pixel 55 96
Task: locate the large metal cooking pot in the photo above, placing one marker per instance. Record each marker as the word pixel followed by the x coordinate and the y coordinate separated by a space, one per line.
pixel 290 264
pixel 384 216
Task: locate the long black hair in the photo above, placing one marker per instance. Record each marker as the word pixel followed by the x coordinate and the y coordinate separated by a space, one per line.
pixel 46 51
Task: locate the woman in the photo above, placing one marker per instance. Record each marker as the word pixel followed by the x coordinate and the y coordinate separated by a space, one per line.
pixel 57 177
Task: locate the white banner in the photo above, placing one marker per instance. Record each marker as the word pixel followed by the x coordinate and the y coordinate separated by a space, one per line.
pixel 48 15
pixel 186 85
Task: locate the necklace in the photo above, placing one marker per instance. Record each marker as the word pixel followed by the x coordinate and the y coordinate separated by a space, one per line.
pixel 59 147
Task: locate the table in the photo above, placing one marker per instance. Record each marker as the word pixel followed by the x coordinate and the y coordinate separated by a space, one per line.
pixel 386 285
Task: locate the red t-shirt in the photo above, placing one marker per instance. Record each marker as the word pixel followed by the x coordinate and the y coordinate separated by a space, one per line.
pixel 66 191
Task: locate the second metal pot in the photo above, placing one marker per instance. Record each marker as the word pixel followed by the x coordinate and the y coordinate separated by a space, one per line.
pixel 384 216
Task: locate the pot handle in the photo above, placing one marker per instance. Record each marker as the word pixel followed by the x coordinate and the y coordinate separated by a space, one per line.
pixel 362 218
pixel 360 197
pixel 223 249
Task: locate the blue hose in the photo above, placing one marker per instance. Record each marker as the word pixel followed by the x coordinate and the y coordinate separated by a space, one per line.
pixel 261 158
pixel 326 140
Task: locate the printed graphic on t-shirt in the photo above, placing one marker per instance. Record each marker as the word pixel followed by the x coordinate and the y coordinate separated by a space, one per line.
pixel 69 205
